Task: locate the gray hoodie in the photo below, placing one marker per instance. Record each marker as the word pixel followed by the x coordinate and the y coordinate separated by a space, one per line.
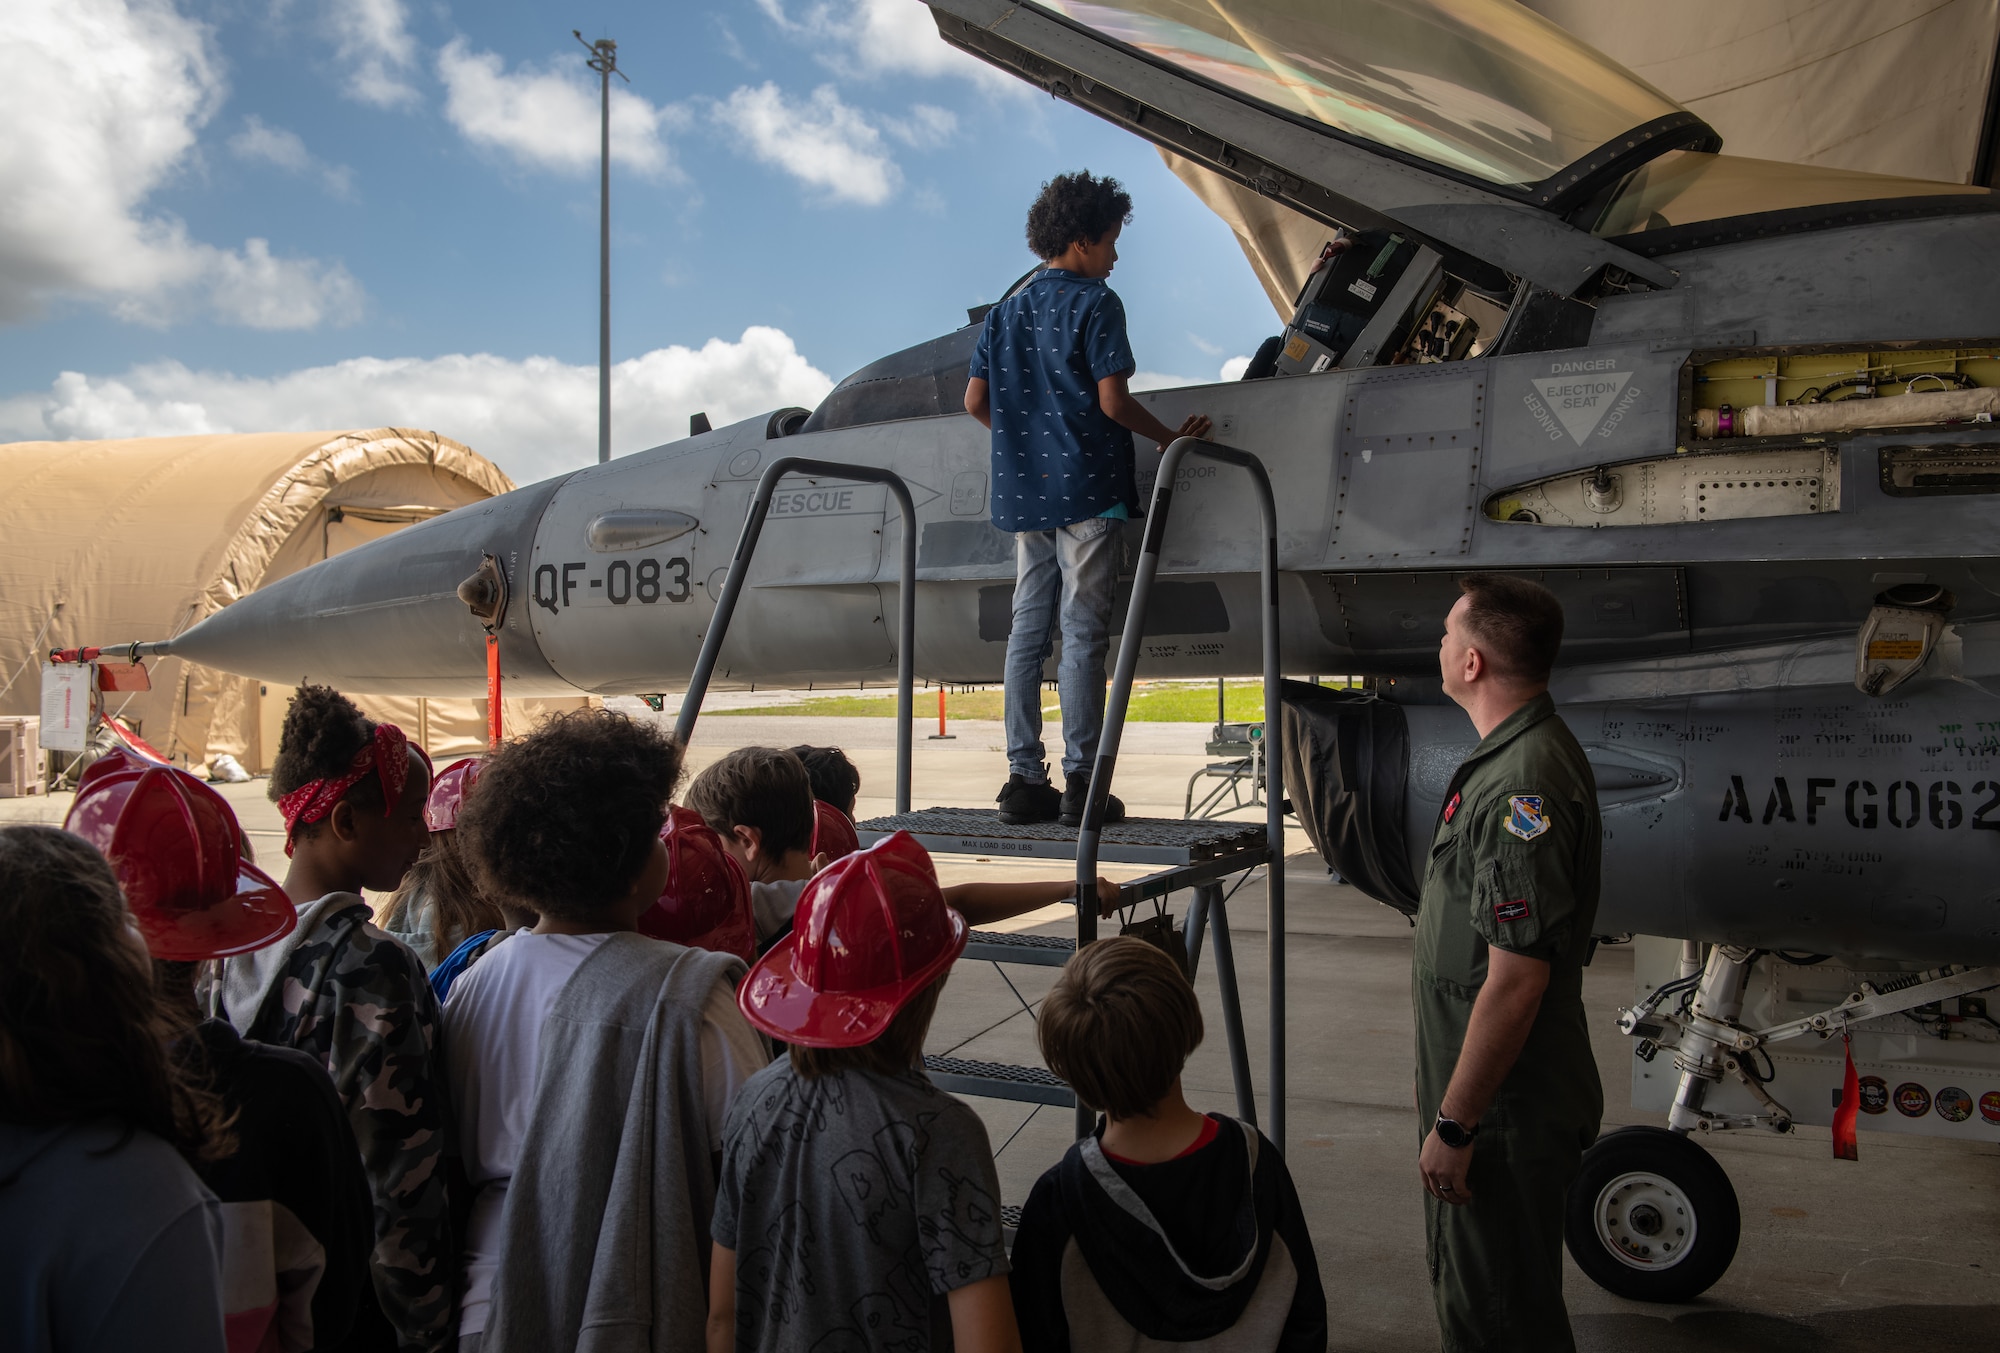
pixel 105 1246
pixel 604 1243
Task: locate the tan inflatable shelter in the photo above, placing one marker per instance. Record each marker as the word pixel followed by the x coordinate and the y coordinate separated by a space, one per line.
pixel 1905 90
pixel 140 538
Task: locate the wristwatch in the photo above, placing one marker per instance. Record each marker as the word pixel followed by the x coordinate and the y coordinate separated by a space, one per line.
pixel 1454 1134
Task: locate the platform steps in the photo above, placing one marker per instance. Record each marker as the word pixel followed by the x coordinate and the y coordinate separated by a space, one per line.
pixel 1044 951
pixel 999 1080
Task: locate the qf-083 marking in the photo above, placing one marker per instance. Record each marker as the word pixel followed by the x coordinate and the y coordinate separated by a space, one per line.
pixel 624 582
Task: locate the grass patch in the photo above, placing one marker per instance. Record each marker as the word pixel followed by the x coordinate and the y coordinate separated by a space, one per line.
pixel 1152 702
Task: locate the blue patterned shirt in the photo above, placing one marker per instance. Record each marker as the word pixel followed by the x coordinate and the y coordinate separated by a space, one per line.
pixel 1057 457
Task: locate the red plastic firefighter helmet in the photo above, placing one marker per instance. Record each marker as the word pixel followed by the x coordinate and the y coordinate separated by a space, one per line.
pixel 178 852
pixel 706 904
pixel 448 793
pixel 871 931
pixel 833 832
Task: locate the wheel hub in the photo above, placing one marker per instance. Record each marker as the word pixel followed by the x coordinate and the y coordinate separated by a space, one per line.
pixel 1645 1220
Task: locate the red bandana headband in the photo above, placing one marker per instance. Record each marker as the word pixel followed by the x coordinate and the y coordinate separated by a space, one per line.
pixel 386 755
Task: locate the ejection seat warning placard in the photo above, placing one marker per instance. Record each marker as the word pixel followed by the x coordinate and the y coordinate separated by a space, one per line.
pixel 65 706
pixel 1581 396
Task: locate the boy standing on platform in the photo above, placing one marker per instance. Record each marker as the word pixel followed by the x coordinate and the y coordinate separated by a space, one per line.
pixel 1049 379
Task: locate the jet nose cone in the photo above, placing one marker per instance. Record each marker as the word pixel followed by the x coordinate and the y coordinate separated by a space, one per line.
pixel 386 618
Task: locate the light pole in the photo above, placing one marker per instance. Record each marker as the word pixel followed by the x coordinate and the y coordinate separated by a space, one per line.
pixel 603 60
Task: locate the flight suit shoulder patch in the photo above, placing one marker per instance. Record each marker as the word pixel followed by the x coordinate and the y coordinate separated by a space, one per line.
pixel 1527 817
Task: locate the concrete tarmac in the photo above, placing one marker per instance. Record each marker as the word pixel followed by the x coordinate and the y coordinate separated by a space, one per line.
pixel 1895 1252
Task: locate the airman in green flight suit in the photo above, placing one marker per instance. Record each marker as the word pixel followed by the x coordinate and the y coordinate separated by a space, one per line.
pixel 1507 1090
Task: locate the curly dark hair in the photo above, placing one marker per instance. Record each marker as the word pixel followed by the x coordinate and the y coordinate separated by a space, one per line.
pixel 323 730
pixel 762 787
pixel 835 779
pixel 1074 207
pixel 565 817
pixel 83 1031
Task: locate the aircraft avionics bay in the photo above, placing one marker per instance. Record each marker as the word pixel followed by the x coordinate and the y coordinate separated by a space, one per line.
pixel 1737 414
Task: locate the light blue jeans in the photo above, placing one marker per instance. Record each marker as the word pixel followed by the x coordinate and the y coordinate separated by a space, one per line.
pixel 1069 575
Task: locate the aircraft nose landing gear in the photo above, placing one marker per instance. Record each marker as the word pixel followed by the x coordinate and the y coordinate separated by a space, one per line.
pixel 1651 1216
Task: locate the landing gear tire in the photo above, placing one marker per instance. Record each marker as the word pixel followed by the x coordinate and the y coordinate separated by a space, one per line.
pixel 1651 1217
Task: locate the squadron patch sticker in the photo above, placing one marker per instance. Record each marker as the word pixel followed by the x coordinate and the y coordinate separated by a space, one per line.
pixel 1989 1106
pixel 1953 1104
pixel 1525 817
pixel 1912 1100
pixel 1873 1092
pixel 1517 910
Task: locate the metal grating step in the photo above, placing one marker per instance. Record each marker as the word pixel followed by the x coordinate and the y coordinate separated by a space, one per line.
pixel 999 1080
pixel 1044 951
pixel 1138 840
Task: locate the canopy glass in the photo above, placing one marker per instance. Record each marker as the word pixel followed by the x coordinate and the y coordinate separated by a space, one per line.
pixel 1685 186
pixel 1485 88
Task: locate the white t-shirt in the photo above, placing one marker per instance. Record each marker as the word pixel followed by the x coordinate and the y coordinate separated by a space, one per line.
pixel 772 905
pixel 493 1020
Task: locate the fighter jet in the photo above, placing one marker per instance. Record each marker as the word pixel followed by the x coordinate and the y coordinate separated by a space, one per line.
pixel 1737 414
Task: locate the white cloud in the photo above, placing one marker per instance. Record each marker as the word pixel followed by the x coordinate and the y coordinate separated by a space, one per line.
pixel 550 118
pixel 1203 345
pixel 262 144
pixel 1160 380
pixel 251 288
pixel 101 101
pixel 1233 369
pixel 926 128
pixel 534 417
pixel 819 140
pixel 372 39
pixel 883 37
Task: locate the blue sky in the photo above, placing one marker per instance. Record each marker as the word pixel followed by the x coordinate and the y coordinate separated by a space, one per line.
pixel 826 176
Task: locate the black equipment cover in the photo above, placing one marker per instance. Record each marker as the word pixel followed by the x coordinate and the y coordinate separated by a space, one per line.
pixel 1347 761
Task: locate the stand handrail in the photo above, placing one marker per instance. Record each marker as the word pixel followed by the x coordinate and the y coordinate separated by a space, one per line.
pixel 1087 839
pixel 739 565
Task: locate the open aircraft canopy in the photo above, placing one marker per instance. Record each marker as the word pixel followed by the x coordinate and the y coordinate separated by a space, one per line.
pixel 1471 124
pixel 1482 88
pixel 1476 125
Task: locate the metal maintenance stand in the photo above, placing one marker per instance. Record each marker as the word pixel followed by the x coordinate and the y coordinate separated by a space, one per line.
pixel 1197 854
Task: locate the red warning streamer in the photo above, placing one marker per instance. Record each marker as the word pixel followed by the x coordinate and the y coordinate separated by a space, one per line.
pixel 493 690
pixel 1845 1145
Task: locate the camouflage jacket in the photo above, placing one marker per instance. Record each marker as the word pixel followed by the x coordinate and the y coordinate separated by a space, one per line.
pixel 344 992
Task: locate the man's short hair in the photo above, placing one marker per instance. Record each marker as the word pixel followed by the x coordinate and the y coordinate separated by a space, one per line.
pixel 1517 624
pixel 564 819
pixel 1075 207
pixel 762 787
pixel 835 779
pixel 1119 1025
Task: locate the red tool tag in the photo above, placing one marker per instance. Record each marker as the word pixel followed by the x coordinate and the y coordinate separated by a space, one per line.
pixel 493 705
pixel 1845 1146
pixel 1451 808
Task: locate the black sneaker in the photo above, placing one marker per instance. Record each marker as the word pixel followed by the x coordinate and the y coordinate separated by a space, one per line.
pixel 1076 796
pixel 1023 801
